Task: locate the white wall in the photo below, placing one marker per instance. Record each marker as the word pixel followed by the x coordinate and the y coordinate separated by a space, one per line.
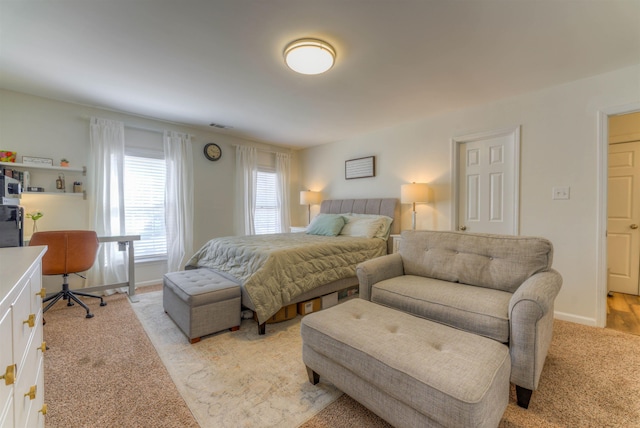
pixel 35 126
pixel 559 148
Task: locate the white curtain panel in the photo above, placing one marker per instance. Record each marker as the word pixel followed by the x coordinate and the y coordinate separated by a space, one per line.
pixel 106 200
pixel 283 167
pixel 178 199
pixel 246 178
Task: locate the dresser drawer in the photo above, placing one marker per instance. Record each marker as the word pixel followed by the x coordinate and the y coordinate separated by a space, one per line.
pixel 28 391
pixel 35 417
pixel 6 363
pixel 37 292
pixel 24 323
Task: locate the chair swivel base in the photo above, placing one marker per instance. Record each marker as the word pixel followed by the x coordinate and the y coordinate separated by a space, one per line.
pixel 69 295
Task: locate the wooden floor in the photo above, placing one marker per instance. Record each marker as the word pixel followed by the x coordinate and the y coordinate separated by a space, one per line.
pixel 623 313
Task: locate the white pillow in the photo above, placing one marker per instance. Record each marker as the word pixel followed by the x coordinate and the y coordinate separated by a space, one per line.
pixel 366 225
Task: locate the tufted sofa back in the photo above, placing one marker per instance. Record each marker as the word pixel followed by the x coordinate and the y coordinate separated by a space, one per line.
pixel 501 262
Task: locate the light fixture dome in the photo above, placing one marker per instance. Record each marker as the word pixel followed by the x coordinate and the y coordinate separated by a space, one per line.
pixel 309 56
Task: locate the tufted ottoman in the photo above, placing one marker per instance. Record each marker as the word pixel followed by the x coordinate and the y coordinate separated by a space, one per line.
pixel 201 302
pixel 408 370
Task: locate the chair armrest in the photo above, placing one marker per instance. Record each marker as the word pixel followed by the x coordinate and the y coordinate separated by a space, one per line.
pixel 531 326
pixel 376 270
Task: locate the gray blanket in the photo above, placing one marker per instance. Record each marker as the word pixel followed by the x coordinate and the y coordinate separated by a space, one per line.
pixel 275 269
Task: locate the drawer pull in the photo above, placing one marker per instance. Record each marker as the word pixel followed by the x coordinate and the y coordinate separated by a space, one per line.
pixel 32 393
pixel 42 293
pixel 42 347
pixel 31 321
pixel 9 375
pixel 44 409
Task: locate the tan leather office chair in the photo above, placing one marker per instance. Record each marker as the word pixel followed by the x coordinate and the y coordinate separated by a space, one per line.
pixel 70 251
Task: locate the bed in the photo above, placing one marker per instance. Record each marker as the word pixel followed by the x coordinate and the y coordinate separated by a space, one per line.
pixel 277 270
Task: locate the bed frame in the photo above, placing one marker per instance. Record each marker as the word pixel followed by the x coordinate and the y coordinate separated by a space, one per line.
pixel 385 206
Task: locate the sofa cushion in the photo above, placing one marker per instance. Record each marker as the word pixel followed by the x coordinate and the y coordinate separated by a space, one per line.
pixel 493 261
pixel 483 311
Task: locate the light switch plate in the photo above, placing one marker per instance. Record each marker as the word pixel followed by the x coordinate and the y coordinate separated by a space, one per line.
pixel 561 192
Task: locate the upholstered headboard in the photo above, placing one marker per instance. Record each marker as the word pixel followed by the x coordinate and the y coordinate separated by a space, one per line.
pixel 385 206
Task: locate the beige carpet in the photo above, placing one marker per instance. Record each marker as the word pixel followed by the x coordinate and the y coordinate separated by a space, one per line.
pixel 237 379
pixel 104 372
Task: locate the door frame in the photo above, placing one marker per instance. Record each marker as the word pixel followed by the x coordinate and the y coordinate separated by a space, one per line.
pixel 601 220
pixel 456 142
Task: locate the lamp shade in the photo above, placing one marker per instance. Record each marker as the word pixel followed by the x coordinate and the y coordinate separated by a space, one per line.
pixel 309 56
pixel 307 197
pixel 414 193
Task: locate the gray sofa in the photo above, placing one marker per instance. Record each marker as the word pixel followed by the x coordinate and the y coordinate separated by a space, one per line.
pixel 500 287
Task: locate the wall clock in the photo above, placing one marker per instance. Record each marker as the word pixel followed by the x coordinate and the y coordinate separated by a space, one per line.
pixel 212 151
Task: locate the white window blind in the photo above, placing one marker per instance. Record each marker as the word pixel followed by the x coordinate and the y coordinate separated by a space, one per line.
pixel 266 219
pixel 144 183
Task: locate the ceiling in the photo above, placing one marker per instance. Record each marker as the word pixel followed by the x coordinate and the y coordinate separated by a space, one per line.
pixel 220 61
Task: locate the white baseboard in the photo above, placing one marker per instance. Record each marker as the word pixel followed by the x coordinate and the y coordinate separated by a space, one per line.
pixel 563 316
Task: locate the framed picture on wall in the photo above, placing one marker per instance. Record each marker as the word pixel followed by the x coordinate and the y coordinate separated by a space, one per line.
pixel 31 160
pixel 360 168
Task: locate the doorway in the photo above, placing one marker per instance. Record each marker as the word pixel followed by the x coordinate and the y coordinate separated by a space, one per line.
pixel 622 206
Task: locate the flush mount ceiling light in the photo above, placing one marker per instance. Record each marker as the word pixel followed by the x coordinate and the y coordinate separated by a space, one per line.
pixel 309 56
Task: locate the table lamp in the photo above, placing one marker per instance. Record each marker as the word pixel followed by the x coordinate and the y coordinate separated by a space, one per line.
pixel 414 193
pixel 308 198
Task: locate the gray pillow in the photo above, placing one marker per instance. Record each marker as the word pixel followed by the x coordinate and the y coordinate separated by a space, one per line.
pixel 326 224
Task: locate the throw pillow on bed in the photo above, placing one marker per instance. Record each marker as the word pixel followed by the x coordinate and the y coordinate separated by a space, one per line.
pixel 367 226
pixel 326 224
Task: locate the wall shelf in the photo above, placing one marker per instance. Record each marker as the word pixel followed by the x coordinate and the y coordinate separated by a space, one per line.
pixel 83 170
pixel 82 194
pixel 27 167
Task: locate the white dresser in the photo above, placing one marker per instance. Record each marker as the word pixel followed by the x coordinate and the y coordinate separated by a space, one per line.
pixel 21 343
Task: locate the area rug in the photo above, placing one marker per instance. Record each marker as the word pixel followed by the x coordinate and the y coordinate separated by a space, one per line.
pixel 239 378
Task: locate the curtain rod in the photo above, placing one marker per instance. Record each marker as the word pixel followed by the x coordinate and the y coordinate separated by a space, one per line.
pixel 262 150
pixel 130 126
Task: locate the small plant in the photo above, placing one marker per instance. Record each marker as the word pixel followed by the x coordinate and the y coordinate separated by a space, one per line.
pixel 64 162
pixel 35 216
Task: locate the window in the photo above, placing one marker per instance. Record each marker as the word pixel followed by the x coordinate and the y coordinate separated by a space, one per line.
pixel 144 185
pixel 267 215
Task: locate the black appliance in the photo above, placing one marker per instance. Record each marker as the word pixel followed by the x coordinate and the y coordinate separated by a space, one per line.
pixel 11 226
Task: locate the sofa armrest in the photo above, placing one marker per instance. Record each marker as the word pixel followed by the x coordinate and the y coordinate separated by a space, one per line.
pixel 531 325
pixel 376 270
pixel 541 289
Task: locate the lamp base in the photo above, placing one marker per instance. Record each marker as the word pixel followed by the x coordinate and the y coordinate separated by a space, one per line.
pixel 413 220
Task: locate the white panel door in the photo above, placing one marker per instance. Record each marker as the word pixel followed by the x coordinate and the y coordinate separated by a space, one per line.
pixel 487 184
pixel 623 218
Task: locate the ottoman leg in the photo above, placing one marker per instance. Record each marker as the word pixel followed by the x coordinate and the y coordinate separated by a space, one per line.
pixel 236 328
pixel 314 377
pixel 194 340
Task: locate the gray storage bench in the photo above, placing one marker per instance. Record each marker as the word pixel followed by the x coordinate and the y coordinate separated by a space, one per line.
pixel 201 302
pixel 408 370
